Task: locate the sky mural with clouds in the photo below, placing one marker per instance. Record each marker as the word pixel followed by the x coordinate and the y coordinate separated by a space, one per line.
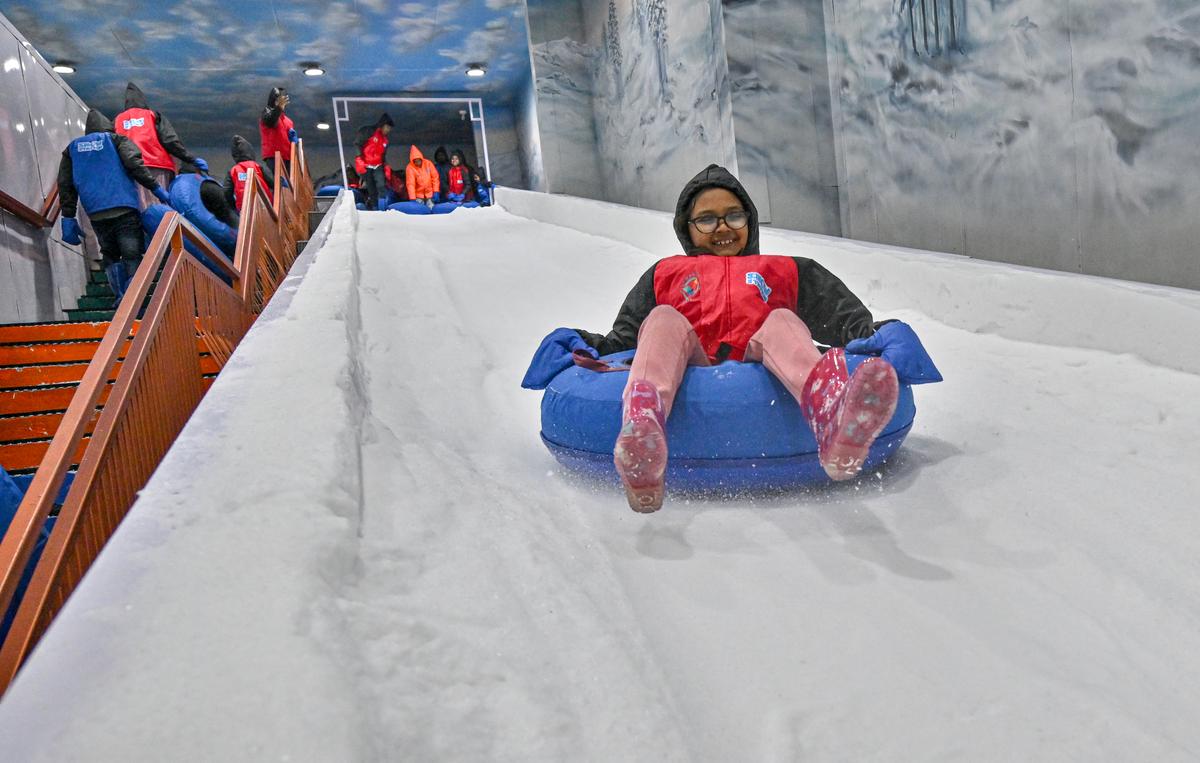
pixel 209 64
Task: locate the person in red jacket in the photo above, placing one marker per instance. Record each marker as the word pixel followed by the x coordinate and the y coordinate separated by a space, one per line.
pixel 154 136
pixel 277 130
pixel 373 144
pixel 722 300
pixel 458 179
pixel 421 178
pixel 235 182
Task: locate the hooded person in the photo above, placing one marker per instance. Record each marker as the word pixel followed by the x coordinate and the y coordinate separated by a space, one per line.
pixel 373 144
pixel 723 300
pixel 101 172
pixel 276 130
pixel 201 199
pixel 421 178
pixel 441 162
pixel 458 185
pixel 482 187
pixel 235 181
pixel 155 138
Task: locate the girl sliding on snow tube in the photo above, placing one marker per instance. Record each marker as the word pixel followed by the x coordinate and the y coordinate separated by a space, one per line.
pixel 723 300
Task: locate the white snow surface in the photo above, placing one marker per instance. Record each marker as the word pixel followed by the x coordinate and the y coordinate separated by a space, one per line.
pixel 359 549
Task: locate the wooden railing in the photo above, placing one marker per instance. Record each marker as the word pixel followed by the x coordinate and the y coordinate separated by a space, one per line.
pixel 43 219
pixel 156 390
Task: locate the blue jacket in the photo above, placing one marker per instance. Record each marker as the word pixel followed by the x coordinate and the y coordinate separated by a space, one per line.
pixel 185 198
pixel 98 174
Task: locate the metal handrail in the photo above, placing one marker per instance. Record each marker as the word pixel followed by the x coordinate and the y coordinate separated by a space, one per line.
pixel 19 210
pixel 156 390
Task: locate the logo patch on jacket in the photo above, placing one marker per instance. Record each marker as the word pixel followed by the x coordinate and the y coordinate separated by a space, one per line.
pixel 691 287
pixel 84 146
pixel 136 122
pixel 756 280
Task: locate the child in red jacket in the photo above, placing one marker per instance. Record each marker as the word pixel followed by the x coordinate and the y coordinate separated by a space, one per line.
pixel 723 300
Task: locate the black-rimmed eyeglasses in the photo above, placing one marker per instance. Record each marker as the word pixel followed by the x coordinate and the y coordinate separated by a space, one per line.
pixel 709 223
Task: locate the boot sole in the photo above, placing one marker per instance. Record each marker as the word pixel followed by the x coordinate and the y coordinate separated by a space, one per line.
pixel 869 402
pixel 640 456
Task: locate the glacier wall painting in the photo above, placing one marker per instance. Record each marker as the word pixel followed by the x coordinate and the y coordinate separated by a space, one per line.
pixel 562 66
pixel 1062 135
pixel 636 94
pixel 782 112
pixel 1037 132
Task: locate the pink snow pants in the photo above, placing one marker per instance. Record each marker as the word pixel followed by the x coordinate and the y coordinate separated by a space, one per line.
pixel 667 345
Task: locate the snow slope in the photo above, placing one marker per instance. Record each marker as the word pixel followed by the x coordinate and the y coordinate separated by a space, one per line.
pixel 359 550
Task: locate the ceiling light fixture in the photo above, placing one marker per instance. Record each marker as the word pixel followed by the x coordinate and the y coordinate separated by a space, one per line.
pixel 476 70
pixel 322 125
pixel 313 69
pixel 62 67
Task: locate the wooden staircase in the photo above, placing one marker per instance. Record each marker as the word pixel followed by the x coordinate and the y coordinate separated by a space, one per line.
pixel 41 365
pixel 97 303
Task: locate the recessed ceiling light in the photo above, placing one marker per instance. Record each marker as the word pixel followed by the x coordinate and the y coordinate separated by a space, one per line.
pixel 313 70
pixel 62 67
pixel 476 70
pixel 322 125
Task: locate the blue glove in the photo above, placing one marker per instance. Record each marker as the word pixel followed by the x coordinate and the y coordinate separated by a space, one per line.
pixel 899 345
pixel 201 165
pixel 292 136
pixel 70 231
pixel 162 195
pixel 553 356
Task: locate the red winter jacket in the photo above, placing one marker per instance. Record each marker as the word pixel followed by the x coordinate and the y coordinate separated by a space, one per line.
pixel 238 174
pixel 375 148
pixel 726 299
pixel 276 138
pixel 457 179
pixel 141 126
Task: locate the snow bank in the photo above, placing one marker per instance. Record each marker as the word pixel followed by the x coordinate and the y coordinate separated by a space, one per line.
pixel 1010 301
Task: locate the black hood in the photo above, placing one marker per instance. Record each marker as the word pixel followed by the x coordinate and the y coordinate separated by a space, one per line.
pixel 241 150
pixel 713 176
pixel 97 122
pixel 135 98
pixel 440 156
pixel 384 119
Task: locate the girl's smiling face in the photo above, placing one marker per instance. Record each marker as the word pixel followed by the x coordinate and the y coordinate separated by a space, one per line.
pixel 724 241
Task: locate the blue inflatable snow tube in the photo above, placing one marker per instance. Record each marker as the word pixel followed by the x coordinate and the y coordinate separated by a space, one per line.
pixel 733 427
pixel 329 190
pixel 417 208
pixel 153 216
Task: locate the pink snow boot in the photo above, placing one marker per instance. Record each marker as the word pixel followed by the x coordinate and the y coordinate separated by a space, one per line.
pixel 640 454
pixel 846 412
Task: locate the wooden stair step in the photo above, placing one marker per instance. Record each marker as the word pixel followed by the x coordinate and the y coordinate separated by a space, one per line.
pixel 69 373
pixel 42 399
pixel 27 456
pixel 13 355
pixel 39 426
pixel 30 333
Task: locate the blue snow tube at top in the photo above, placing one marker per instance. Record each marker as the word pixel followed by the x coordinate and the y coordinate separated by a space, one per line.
pixel 329 190
pixel 733 426
pixel 417 208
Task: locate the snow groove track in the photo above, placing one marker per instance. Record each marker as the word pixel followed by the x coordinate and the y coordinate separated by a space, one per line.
pixel 412 578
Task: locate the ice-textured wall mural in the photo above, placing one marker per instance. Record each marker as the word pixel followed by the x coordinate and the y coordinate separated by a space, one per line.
pixel 563 65
pixel 1062 135
pixel 782 115
pixel 659 96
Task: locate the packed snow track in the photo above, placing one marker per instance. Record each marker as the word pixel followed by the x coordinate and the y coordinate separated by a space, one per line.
pixel 360 550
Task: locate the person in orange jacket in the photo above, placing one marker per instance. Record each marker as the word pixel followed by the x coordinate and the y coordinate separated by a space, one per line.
pixel 421 178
